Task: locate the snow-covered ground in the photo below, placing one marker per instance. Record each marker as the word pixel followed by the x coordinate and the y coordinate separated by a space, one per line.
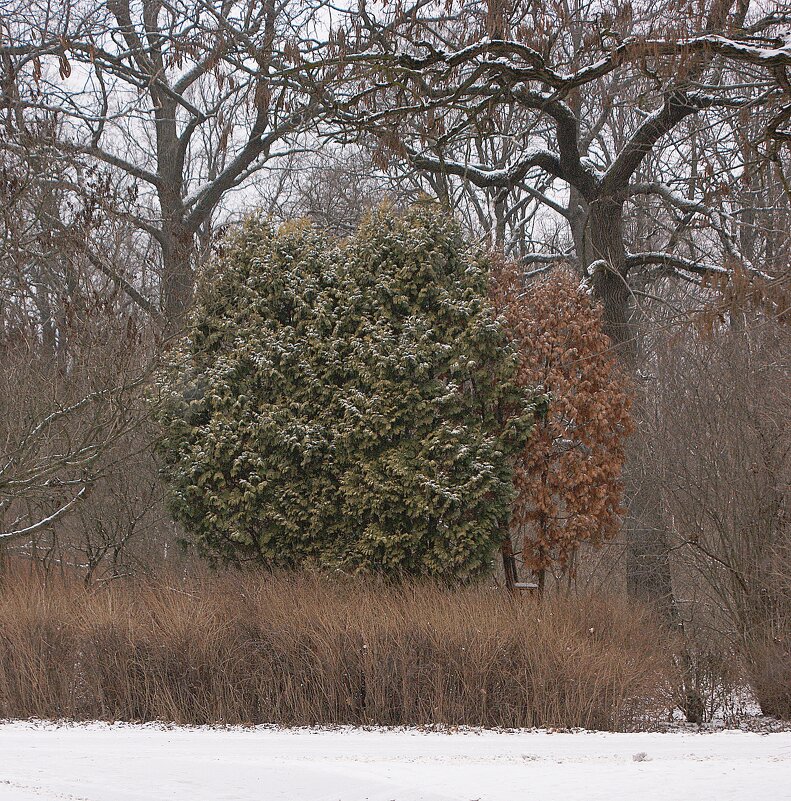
pixel 120 763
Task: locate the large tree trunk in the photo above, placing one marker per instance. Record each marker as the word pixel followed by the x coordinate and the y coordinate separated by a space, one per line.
pixel 178 241
pixel 177 277
pixel 606 257
pixel 648 574
pixel 648 553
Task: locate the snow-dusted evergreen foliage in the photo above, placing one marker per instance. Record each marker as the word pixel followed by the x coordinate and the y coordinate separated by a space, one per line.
pixel 350 405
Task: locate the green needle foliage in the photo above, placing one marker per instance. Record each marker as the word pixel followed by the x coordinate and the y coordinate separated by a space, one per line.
pixel 350 405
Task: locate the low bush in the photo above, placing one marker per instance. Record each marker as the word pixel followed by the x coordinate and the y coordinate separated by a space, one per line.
pixel 303 649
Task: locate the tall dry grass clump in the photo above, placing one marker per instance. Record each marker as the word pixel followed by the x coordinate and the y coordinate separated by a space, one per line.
pixel 304 649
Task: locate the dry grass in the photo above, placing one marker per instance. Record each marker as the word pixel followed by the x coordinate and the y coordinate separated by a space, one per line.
pixel 302 649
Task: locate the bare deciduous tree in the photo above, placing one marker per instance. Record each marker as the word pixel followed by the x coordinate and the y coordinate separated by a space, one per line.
pixel 183 101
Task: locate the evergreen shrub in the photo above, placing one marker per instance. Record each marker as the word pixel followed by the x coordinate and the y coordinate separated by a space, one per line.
pixel 350 405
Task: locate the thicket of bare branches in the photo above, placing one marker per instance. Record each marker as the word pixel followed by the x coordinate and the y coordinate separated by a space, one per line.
pixel 721 450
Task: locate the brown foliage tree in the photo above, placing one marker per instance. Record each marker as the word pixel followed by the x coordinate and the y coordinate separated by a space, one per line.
pixel 568 477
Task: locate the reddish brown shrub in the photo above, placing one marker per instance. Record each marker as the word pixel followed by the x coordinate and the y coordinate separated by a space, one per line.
pixel 569 475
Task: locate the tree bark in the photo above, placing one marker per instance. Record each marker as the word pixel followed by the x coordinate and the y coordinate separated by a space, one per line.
pixel 605 257
pixel 178 276
pixel 648 574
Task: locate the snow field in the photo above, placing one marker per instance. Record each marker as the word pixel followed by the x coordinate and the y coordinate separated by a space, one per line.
pixel 98 762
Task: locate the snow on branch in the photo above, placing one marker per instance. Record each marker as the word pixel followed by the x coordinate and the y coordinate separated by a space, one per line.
pixel 518 62
pixel 547 262
pixel 669 194
pixel 484 177
pixel 718 219
pixel 635 260
pixel 44 522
